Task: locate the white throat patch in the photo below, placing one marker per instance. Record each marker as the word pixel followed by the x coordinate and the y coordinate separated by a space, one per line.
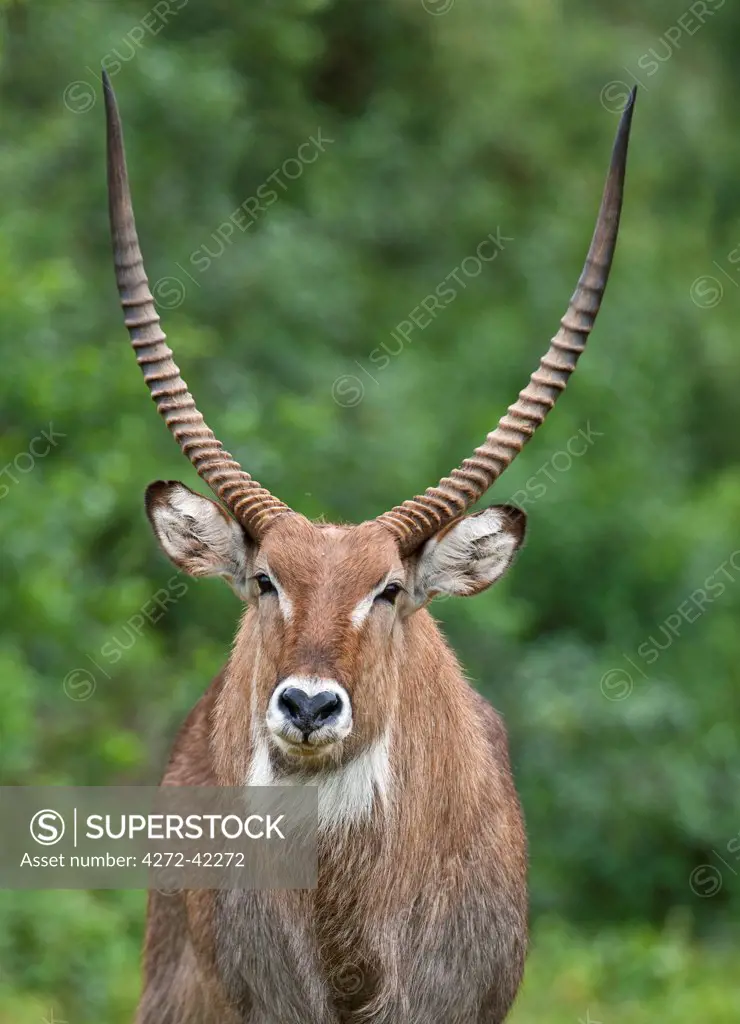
pixel 347 794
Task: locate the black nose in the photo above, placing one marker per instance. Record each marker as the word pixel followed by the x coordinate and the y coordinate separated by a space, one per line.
pixel 309 713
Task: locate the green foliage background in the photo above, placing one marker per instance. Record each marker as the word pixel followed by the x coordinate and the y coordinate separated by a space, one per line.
pixel 447 124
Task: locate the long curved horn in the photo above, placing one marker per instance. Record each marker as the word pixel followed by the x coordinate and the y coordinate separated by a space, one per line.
pixel 251 505
pixel 416 520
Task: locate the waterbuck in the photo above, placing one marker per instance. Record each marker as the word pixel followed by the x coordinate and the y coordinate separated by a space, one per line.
pixel 340 677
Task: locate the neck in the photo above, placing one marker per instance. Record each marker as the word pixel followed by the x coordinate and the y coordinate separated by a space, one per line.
pixel 442 750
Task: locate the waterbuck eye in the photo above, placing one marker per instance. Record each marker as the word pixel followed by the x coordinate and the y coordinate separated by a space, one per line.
pixel 390 593
pixel 265 584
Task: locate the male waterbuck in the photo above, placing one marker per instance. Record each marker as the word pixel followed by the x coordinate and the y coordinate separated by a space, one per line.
pixel 340 677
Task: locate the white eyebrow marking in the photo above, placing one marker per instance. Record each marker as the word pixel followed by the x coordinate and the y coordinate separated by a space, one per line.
pixel 362 609
pixel 285 603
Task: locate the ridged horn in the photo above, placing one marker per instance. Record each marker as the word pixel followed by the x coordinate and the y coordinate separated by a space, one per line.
pixel 416 520
pixel 251 504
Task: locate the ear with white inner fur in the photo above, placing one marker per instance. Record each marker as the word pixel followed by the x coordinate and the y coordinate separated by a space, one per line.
pixel 197 535
pixel 470 554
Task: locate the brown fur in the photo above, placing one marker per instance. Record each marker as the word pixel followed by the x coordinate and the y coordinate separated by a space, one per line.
pixel 420 915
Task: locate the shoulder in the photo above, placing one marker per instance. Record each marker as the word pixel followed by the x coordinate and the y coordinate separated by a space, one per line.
pixel 494 727
pixel 190 762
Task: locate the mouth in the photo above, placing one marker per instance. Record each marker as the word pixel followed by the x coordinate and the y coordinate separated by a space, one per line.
pixel 304 751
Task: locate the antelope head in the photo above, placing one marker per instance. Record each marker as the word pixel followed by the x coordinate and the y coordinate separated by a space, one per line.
pixel 331 626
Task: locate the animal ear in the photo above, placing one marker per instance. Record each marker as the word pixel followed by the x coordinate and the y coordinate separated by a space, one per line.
pixel 470 554
pixel 197 535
